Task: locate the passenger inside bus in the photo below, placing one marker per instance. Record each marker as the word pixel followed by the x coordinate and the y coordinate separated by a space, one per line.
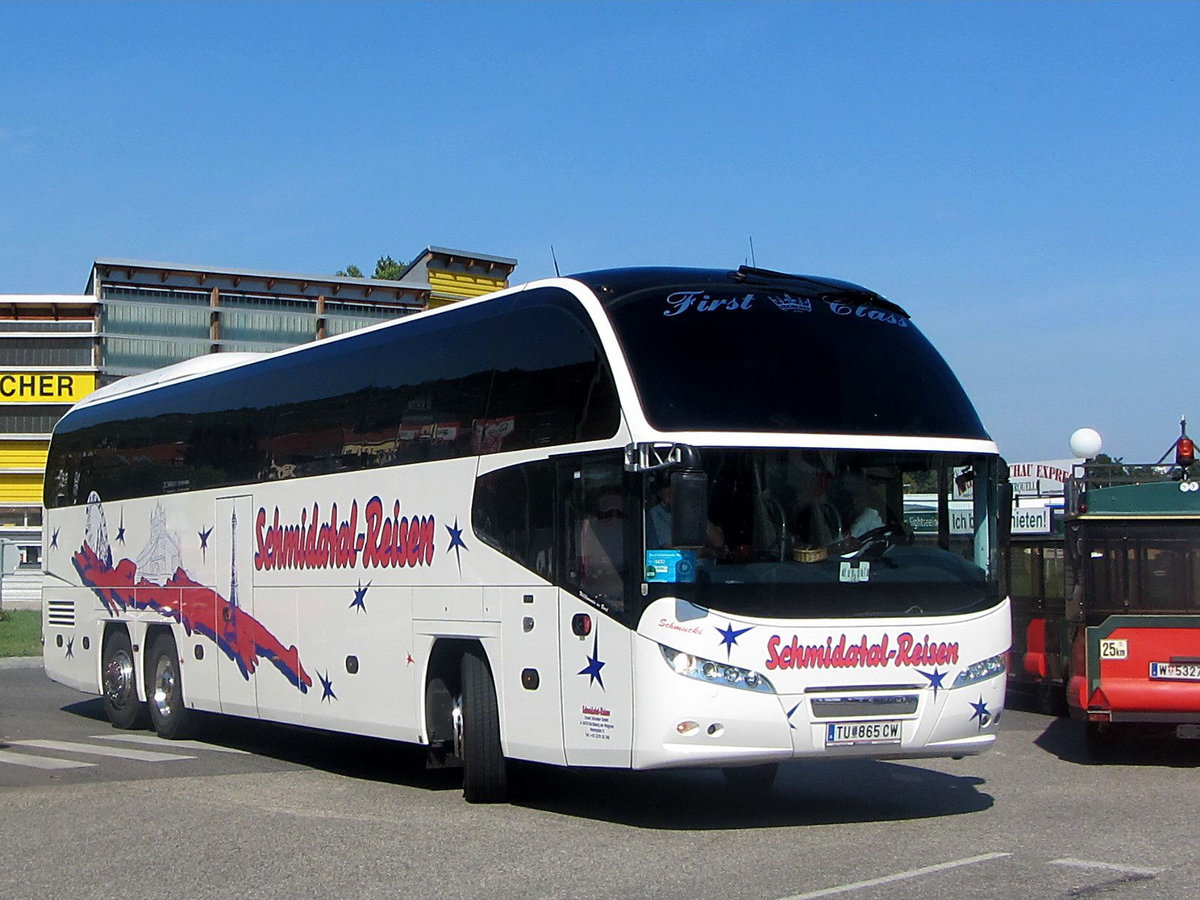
pixel 602 551
pixel 851 494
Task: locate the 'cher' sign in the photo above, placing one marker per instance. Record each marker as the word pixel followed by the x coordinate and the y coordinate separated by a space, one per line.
pixel 45 387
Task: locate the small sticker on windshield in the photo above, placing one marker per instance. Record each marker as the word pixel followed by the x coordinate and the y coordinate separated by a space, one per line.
pixel 854 572
pixel 672 566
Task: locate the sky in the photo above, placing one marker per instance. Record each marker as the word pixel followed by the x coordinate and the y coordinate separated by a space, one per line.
pixel 1023 178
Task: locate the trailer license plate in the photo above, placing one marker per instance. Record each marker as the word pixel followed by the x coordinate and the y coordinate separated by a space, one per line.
pixel 848 733
pixel 1175 671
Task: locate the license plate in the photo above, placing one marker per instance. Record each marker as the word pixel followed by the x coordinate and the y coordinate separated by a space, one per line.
pixel 1175 671
pixel 1187 732
pixel 849 733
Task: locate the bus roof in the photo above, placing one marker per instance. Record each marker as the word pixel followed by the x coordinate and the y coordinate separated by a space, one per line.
pixel 611 285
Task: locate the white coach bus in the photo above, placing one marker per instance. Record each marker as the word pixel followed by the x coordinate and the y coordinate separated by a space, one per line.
pixel 633 518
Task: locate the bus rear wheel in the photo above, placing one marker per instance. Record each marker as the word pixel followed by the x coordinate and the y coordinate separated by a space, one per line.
pixel 485 775
pixel 121 703
pixel 164 688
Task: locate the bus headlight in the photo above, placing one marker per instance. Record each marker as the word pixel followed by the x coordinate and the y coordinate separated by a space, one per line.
pixel 982 671
pixel 712 672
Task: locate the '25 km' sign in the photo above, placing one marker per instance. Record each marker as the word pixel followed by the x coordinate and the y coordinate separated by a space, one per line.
pixel 1112 648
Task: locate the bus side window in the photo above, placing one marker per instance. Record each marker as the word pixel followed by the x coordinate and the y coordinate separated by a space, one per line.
pixel 513 511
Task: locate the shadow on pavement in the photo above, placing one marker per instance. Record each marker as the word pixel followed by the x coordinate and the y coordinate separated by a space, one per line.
pixel 1138 746
pixel 351 756
pixel 805 793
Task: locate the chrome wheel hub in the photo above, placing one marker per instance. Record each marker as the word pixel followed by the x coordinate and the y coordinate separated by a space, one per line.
pixel 163 696
pixel 118 679
pixel 456 717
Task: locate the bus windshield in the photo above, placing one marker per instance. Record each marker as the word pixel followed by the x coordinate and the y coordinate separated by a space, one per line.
pixel 813 533
pixel 761 360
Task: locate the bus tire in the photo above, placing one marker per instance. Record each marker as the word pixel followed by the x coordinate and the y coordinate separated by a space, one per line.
pixel 751 779
pixel 119 682
pixel 164 690
pixel 485 775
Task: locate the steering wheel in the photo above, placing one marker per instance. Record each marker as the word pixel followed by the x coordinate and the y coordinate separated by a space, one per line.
pixel 879 533
pixel 889 535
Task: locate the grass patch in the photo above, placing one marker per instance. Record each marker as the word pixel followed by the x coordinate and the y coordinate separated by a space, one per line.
pixel 20 632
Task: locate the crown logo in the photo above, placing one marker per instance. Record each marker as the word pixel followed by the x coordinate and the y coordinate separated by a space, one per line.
pixel 788 303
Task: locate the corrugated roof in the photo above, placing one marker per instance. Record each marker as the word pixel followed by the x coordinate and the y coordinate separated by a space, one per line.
pixel 151 265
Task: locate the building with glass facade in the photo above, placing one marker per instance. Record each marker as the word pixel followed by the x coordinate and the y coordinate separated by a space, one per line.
pixel 135 316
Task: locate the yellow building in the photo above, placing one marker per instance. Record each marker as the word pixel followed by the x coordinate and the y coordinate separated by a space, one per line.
pixel 454 275
pixel 48 360
pixel 136 316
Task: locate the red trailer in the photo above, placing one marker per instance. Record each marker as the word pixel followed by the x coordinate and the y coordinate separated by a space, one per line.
pixel 1132 611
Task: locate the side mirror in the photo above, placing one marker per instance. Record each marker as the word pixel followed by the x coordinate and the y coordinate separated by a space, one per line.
pixel 1004 497
pixel 689 508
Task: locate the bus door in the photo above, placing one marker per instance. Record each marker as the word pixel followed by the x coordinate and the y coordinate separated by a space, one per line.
pixel 597 687
pixel 234 579
pixel 601 524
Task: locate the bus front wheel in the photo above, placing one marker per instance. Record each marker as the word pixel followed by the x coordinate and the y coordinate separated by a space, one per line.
pixel 164 689
pixel 485 776
pixel 121 703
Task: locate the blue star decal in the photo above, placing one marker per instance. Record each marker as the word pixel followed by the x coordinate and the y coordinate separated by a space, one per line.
pixel 71 648
pixel 935 680
pixel 789 715
pixel 360 596
pixel 54 540
pixel 456 543
pixel 120 538
pixel 981 713
pixel 729 637
pixel 326 687
pixel 204 540
pixel 592 669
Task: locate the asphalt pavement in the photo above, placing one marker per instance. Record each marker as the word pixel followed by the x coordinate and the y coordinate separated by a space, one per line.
pixel 272 811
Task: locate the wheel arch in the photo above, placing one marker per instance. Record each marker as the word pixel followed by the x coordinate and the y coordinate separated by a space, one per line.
pixel 442 685
pixel 151 633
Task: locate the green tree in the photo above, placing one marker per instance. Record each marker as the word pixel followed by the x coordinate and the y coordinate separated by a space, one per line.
pixel 389 269
pixel 386 269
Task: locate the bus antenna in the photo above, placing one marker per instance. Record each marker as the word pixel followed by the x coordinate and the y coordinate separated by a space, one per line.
pixel 555 258
pixel 753 262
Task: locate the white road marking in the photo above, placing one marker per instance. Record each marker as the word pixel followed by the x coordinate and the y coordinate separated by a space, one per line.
pixel 154 741
pixel 1111 867
pixel 898 876
pixel 93 750
pixel 40 762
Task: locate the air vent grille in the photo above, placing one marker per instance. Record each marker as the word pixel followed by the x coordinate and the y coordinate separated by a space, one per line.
pixel 61 613
pixel 854 707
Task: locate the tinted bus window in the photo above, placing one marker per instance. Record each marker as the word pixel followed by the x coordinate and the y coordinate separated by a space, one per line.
pixel 523 371
pixel 552 385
